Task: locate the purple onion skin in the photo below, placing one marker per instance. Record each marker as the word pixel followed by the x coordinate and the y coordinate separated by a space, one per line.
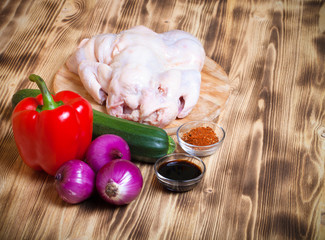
pixel 75 181
pixel 119 182
pixel 106 148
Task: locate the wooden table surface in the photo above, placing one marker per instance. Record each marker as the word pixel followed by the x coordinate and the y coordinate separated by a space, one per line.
pixel 267 179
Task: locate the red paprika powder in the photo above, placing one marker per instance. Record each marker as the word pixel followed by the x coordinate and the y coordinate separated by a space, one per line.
pixel 200 136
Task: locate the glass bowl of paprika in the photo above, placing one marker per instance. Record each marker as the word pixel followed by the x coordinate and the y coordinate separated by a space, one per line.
pixel 200 138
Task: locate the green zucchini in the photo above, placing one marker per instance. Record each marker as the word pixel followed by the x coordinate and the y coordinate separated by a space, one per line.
pixel 147 143
pixel 24 93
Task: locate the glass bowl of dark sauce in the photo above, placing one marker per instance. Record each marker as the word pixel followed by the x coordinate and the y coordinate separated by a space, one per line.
pixel 179 172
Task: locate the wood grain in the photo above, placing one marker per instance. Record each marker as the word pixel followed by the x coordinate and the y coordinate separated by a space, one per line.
pixel 214 93
pixel 267 179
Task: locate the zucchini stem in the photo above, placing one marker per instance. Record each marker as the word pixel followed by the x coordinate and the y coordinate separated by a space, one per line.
pixel 171 145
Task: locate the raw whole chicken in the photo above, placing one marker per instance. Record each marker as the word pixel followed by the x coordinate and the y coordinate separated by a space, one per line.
pixel 143 76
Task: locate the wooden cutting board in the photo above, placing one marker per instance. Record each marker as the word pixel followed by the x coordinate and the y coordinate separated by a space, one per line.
pixel 214 93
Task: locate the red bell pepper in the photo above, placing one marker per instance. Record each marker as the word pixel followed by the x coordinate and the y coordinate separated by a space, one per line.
pixel 52 129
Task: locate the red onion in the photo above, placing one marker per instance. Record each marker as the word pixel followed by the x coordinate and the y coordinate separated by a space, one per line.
pixel 75 181
pixel 106 148
pixel 119 182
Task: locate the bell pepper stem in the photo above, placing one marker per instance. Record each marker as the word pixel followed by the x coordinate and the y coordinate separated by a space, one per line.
pixel 48 101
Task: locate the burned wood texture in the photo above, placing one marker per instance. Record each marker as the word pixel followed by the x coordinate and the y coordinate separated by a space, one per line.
pixel 267 179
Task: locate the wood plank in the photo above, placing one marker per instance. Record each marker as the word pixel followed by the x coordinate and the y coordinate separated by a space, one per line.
pixel 267 179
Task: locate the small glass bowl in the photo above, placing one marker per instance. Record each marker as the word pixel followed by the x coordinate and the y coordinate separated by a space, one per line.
pixel 200 151
pixel 179 185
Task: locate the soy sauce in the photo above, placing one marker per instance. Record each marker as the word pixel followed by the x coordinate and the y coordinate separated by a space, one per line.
pixel 179 170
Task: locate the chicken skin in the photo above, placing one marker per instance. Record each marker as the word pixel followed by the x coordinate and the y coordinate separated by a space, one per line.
pixel 142 76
